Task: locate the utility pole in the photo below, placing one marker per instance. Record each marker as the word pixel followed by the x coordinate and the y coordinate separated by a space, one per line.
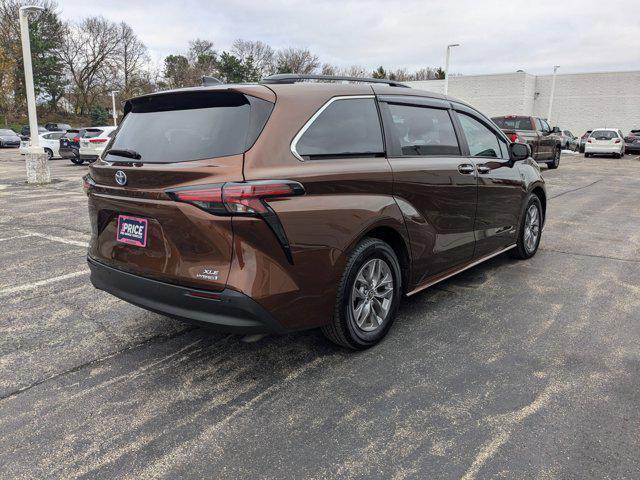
pixel 446 66
pixel 36 160
pixel 553 90
pixel 113 105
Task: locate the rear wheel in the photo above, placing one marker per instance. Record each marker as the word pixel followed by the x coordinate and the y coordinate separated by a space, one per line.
pixel 587 155
pixel 49 153
pixel 530 229
pixel 556 159
pixel 368 296
pixel 77 160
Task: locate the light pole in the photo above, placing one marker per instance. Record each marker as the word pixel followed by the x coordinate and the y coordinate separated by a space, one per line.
pixel 36 160
pixel 113 105
pixel 446 66
pixel 553 90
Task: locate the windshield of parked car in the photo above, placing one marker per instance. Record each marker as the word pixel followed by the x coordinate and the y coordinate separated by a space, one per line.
pixel 513 123
pixel 188 126
pixel 7 132
pixel 604 134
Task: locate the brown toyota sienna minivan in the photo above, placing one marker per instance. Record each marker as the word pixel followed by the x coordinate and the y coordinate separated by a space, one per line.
pixel 290 204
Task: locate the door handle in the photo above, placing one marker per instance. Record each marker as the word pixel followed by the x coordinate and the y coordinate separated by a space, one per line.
pixel 466 168
pixel 483 169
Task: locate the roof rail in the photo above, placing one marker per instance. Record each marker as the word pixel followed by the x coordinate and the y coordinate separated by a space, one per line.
pixel 296 77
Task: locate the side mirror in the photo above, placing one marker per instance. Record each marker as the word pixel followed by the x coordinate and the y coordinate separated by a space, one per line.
pixel 555 130
pixel 519 151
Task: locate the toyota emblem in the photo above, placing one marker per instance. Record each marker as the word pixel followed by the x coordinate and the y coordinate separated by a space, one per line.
pixel 121 178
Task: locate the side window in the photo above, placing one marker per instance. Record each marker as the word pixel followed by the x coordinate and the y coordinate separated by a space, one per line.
pixel 347 127
pixel 539 126
pixel 482 141
pixel 504 149
pixel 418 131
pixel 545 126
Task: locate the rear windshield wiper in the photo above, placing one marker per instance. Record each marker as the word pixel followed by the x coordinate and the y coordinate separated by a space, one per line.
pixel 124 153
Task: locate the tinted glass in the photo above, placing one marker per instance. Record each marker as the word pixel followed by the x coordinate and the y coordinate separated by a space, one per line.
pixel 604 134
pixel 94 132
pixel 422 131
pixel 545 126
pixel 188 126
pixel 513 123
pixel 482 141
pixel 504 149
pixel 347 127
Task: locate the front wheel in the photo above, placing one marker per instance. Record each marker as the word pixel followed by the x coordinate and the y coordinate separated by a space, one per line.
pixel 368 296
pixel 77 160
pixel 530 229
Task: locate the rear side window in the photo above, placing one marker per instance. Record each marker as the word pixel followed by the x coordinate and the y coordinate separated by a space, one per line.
pixel 346 127
pixel 418 131
pixel 513 123
pixel 481 140
pixel 190 126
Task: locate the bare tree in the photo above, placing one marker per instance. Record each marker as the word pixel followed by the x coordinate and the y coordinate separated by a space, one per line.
pixel 202 58
pixel 88 50
pixel 355 71
pixel 296 60
pixel 425 74
pixel 259 53
pixel 132 56
pixel 328 69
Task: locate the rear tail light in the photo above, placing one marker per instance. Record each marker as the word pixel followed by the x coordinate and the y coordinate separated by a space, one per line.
pixel 87 183
pixel 75 139
pixel 588 140
pixel 514 138
pixel 97 140
pixel 243 199
pixel 617 140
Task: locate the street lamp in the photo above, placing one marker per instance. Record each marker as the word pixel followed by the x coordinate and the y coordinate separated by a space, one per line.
pixel 36 160
pixel 553 90
pixel 113 105
pixel 446 66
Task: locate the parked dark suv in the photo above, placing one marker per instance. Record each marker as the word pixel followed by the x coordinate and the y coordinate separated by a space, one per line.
pixel 290 205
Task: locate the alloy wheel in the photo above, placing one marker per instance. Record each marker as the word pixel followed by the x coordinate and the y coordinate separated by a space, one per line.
pixel 531 228
pixel 372 295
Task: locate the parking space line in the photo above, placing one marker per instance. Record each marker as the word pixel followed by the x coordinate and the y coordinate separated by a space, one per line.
pixel 53 238
pixel 16 236
pixel 34 285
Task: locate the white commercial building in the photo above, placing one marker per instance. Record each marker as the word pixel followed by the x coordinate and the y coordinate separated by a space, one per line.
pixel 582 101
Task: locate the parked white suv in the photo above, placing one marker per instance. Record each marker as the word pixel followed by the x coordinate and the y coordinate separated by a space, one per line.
pixel 93 142
pixel 605 141
pixel 50 141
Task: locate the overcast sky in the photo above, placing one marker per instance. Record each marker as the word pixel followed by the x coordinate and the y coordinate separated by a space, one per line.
pixel 495 36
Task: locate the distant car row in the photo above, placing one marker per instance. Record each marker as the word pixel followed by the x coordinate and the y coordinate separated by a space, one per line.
pixel 76 144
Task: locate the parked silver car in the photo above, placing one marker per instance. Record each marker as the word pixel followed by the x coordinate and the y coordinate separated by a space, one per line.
pixel 9 138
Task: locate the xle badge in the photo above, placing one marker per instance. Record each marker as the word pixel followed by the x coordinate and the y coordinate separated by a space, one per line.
pixel 208 274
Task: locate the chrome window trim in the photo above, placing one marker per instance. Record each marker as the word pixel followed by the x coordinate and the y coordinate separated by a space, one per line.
pixel 309 122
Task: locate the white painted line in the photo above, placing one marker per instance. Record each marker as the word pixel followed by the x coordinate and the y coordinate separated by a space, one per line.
pixel 17 236
pixel 41 283
pixel 53 238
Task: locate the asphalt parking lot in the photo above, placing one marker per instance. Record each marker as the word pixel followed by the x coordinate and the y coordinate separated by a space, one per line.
pixel 513 369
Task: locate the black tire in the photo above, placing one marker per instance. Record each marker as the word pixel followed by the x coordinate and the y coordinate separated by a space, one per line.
pixel 521 251
pixel 77 160
pixel 587 155
pixel 555 163
pixel 49 153
pixel 343 329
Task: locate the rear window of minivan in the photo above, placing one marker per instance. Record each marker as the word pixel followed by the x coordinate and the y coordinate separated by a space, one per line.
pixel 185 126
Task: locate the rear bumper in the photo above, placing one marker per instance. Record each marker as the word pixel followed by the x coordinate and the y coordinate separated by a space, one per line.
pixel 227 310
pixel 66 152
pixel 88 158
pixel 604 149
